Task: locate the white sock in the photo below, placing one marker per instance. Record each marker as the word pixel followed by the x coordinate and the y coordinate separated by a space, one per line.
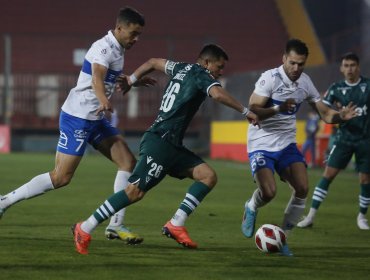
pixel 37 186
pixel 293 213
pixel 89 225
pixel 120 183
pixel 256 201
pixel 179 218
pixel 311 214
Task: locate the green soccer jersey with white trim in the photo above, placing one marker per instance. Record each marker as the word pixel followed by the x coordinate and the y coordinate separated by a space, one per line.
pixel 185 92
pixel 359 94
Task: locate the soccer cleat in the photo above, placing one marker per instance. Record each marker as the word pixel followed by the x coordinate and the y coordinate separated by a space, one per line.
pixel 248 222
pixel 82 239
pixel 124 234
pixel 362 222
pixel 180 234
pixel 285 251
pixel 305 223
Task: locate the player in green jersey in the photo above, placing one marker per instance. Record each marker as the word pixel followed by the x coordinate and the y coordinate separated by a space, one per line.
pixel 352 138
pixel 161 148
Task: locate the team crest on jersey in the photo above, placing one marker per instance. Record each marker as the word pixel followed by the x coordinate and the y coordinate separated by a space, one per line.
pixel 363 87
pixel 148 159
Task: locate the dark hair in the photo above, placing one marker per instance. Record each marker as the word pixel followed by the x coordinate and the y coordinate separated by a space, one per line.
pixel 350 56
pixel 129 15
pixel 296 45
pixel 213 51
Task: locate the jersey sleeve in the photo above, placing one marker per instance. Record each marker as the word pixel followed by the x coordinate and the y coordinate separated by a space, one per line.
pixel 313 93
pixel 264 84
pixel 171 68
pixel 206 81
pixel 101 54
pixel 329 97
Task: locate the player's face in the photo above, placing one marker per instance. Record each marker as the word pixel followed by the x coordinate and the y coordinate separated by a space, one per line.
pixel 216 67
pixel 293 65
pixel 128 35
pixel 351 70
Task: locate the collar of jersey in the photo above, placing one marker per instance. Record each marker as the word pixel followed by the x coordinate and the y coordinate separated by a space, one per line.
pixel 286 79
pixel 114 41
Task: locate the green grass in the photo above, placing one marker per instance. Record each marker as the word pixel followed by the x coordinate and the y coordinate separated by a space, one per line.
pixel 36 243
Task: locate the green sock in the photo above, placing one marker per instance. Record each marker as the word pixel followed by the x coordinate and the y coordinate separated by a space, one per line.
pixel 320 192
pixel 113 204
pixel 364 198
pixel 194 196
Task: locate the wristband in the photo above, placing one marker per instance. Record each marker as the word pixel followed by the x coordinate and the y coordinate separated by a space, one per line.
pixel 245 111
pixel 133 79
pixel 276 108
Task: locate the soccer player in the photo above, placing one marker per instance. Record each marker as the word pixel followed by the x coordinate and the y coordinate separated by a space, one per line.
pixel 272 147
pixel 82 121
pixel 352 138
pixel 161 149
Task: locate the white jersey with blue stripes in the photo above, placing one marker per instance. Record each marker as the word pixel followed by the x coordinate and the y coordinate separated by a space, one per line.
pixel 82 101
pixel 278 131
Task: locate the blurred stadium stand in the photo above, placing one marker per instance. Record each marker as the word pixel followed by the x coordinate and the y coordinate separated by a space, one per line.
pixel 45 35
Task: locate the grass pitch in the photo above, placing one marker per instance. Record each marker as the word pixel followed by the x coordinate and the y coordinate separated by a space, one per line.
pixel 36 242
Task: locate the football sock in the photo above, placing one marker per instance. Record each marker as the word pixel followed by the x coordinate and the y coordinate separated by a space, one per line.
pixel 37 186
pixel 193 197
pixel 364 198
pixel 256 200
pixel 320 192
pixel 120 183
pixel 113 204
pixel 293 213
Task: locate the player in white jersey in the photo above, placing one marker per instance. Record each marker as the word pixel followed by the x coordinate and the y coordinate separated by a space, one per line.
pixel 82 121
pixel 272 146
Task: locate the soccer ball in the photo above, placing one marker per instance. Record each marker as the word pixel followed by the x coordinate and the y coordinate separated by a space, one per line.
pixel 270 238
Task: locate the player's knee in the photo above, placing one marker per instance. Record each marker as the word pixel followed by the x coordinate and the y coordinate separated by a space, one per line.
pixel 268 193
pixel 210 179
pixel 60 180
pixel 134 193
pixel 301 191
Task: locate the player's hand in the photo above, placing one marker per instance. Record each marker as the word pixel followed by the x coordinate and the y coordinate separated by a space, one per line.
pixel 253 118
pixel 145 82
pixel 123 84
pixel 348 112
pixel 288 105
pixel 103 107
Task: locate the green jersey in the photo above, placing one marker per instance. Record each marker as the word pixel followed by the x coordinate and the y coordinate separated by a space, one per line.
pixel 359 94
pixel 185 92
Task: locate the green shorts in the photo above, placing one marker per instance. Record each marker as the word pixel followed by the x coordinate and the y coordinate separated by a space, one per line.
pixel 157 158
pixel 341 154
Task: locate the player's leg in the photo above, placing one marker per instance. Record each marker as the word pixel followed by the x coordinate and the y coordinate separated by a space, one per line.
pixel 262 165
pixel 362 156
pixel 205 179
pixel 364 201
pixel 115 149
pixel 149 171
pixel 187 164
pixel 68 156
pixel 338 159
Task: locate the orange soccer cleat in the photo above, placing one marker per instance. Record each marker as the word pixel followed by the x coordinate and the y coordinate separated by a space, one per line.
pixel 180 234
pixel 82 239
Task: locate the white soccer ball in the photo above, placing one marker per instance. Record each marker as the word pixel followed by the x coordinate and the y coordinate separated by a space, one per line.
pixel 270 238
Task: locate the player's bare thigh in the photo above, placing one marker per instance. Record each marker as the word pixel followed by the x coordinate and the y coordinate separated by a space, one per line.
pixel 65 167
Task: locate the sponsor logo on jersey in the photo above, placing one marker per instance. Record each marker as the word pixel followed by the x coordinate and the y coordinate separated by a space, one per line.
pixel 79 133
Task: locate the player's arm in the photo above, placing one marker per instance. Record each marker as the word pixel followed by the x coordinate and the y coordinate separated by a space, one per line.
pixel 221 95
pixel 138 78
pixel 258 102
pixel 98 75
pixel 329 115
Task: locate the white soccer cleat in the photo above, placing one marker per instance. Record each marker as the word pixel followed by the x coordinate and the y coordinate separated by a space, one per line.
pixel 362 222
pixel 305 223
